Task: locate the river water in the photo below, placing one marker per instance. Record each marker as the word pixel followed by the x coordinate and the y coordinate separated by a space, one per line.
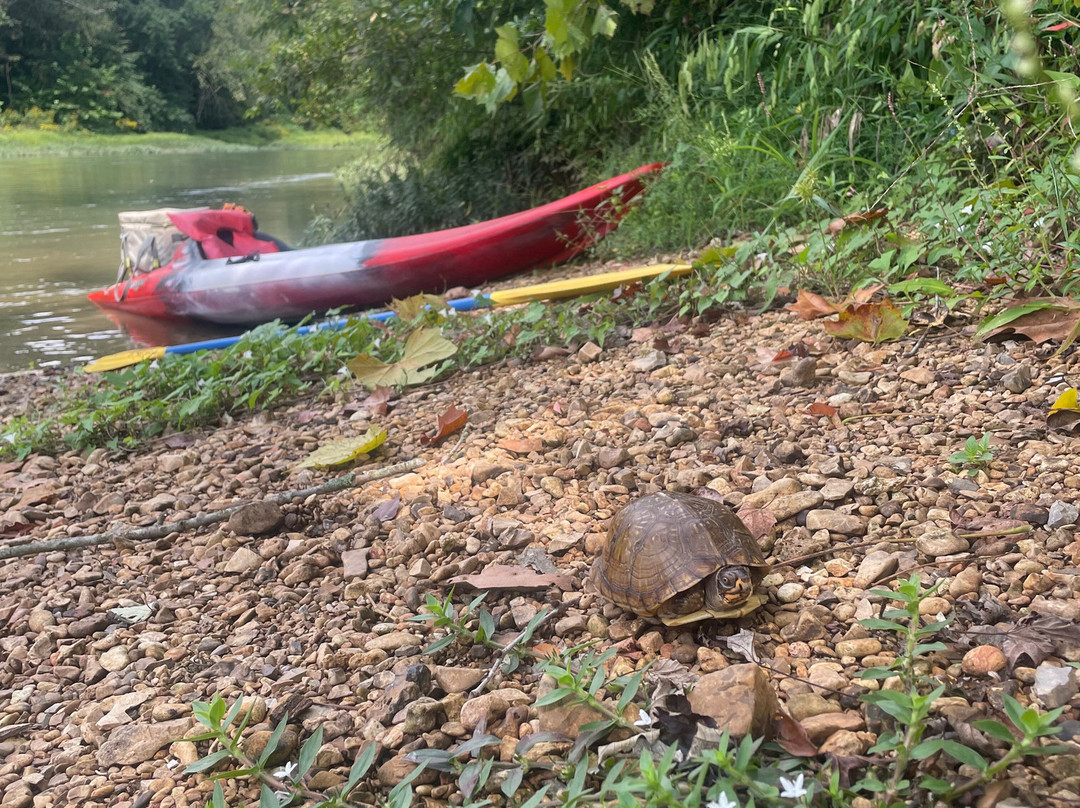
pixel 59 237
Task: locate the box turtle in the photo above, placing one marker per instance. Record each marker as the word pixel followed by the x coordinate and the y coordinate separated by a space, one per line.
pixel 680 558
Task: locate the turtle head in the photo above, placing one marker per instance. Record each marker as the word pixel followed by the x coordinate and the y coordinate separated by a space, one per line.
pixel 729 586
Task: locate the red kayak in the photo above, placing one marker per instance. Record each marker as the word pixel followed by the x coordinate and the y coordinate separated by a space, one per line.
pixel 225 271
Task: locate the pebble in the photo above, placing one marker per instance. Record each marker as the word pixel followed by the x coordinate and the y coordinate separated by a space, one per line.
pixel 739 698
pixel 1062 514
pixel 983 659
pixel 1054 686
pixel 877 564
pixel 315 614
pixel 790 592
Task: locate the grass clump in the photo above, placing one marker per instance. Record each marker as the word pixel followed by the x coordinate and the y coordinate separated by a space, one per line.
pixel 639 753
pixel 273 365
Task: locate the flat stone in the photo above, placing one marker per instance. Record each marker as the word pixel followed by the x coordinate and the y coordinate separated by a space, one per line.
pixel 243 560
pixel 354 563
pixel 790 592
pixel 835 522
pixel 257 519
pixel 457 680
pixel 650 361
pixel 739 698
pixel 566 716
pixel 493 705
pixel 804 705
pixel 255 744
pixel 788 505
pixel 877 564
pixel 161 502
pixel 822 726
pixel 940 542
pixel 858 648
pixel 392 641
pixel 132 744
pixel 115 659
pixel 837 488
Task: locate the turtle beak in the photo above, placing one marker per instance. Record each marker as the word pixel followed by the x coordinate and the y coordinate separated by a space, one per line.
pixel 738 592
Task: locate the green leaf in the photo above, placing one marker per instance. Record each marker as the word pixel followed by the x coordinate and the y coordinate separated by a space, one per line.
pixel 554 696
pixel 424 347
pixel 344 450
pixel 308 751
pixel 1014 313
pixel 953 749
pixel 271 744
pixel 511 782
pixel 479 81
pixel 508 52
pixel 881 625
pixel 267 798
pixel 605 22
pixel 208 762
pixel 995 729
pixel 218 798
pixel 924 286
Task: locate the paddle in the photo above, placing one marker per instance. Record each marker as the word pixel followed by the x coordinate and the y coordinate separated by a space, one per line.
pixel 570 287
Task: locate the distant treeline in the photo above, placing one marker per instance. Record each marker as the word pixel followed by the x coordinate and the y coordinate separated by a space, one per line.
pixel 129 64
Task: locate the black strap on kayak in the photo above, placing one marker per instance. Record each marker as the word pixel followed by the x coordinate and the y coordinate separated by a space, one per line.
pixel 252 256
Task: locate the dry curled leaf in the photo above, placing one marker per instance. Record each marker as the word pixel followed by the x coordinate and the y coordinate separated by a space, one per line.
pixel 411 307
pixel 758 521
pixel 820 408
pixel 379 399
pixel 522 445
pixel 791 735
pixel 1065 414
pixel 1040 320
pixel 389 509
pixel 448 422
pixel 810 306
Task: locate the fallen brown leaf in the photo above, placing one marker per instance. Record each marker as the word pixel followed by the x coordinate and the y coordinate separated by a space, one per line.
pixel 758 521
pixel 810 306
pixel 1043 325
pixel 820 408
pixel 504 576
pixel 447 423
pixel 791 735
pixel 389 509
pixel 379 399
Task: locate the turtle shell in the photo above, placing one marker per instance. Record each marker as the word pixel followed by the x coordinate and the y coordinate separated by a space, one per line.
pixel 666 544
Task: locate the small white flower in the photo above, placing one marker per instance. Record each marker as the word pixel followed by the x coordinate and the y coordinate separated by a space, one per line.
pixel 287 771
pixel 793 788
pixel 643 719
pixel 724 802
pixel 967 209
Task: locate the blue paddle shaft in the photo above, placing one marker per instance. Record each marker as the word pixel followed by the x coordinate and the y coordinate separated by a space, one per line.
pixel 463 304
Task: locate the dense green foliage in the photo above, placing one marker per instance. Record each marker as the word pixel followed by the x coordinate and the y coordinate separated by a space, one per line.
pixel 127 64
pixel 769 112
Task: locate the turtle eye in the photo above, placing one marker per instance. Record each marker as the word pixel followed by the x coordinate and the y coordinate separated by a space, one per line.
pixel 727 579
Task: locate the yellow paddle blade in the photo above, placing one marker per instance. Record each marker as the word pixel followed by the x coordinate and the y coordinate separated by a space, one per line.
pixel 585 285
pixel 123 359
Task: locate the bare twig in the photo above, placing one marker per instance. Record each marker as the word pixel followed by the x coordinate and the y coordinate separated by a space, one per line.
pixel 160 531
pixel 501 654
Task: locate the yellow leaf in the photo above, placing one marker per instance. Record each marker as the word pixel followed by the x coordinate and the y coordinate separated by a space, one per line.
pixel 1064 416
pixel 1066 401
pixel 411 307
pixel 344 450
pixel 424 346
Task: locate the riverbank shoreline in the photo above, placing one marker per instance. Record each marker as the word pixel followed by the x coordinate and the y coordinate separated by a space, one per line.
pixel 842 455
pixel 28 142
